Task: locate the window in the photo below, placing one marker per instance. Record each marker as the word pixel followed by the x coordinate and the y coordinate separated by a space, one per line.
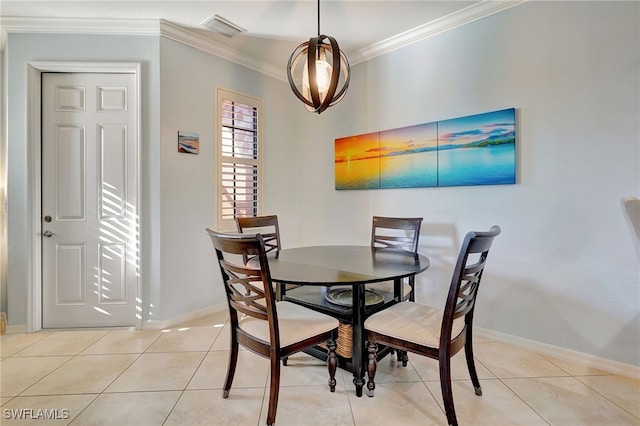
pixel 239 157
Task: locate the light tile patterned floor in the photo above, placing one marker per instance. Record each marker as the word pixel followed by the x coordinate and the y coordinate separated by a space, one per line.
pixel 174 377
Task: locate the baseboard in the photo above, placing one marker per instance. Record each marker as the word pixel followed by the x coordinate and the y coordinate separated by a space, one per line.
pixel 184 318
pixel 16 329
pixel 611 366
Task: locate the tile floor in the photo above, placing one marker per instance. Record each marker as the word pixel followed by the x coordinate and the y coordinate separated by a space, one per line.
pixel 174 377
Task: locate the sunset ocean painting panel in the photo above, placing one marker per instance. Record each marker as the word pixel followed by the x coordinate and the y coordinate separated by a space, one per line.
pixel 477 149
pixel 357 162
pixel 409 157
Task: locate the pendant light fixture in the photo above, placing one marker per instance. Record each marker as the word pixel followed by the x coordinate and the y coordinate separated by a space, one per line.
pixel 315 70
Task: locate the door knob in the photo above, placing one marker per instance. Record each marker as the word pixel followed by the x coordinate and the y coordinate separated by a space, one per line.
pixel 47 234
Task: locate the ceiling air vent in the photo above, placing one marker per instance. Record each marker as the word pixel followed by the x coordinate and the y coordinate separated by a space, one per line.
pixel 222 26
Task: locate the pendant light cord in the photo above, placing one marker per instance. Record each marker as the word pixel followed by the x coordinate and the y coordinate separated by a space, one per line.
pixel 318 18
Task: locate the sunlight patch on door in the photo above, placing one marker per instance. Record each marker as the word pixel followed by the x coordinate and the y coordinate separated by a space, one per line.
pixel 102 311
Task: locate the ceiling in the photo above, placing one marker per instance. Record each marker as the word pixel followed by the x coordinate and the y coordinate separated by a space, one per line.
pixel 274 28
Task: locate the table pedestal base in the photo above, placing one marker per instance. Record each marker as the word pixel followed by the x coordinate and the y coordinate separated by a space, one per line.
pixel 346 364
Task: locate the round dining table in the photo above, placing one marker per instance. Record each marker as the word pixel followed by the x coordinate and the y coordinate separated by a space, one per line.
pixel 316 269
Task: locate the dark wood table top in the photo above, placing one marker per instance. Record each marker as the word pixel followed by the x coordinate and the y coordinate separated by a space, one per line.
pixel 328 265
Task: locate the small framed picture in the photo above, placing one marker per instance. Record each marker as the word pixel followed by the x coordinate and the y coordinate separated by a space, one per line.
pixel 188 143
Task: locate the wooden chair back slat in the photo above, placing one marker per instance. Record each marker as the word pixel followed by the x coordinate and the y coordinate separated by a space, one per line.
pixel 266 225
pixel 248 287
pixel 400 233
pixel 391 232
pixel 466 278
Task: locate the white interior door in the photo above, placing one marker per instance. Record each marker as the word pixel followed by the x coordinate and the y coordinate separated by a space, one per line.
pixel 89 199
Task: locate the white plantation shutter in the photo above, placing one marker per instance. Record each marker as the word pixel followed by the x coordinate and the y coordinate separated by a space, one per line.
pixel 240 158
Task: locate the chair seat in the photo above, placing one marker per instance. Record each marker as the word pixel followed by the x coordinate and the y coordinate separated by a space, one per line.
pixel 388 286
pixel 296 323
pixel 412 322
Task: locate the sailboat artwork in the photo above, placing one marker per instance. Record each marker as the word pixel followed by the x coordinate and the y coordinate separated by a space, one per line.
pixel 188 143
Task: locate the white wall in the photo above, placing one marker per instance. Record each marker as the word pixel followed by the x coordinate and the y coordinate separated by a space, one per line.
pixel 189 279
pixel 563 272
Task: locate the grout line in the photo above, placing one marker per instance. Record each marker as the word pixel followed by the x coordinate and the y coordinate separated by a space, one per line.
pixel 175 404
pixel 45 376
pixel 636 415
pixel 522 399
pixel 85 408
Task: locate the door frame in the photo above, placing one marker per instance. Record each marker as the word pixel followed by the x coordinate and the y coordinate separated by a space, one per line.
pixel 34 174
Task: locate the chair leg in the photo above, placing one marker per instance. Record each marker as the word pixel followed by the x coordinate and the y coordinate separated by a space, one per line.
pixel 332 364
pixel 280 291
pixel 410 298
pixel 231 370
pixel 447 392
pixel 412 286
pixel 274 389
pixel 404 357
pixel 372 366
pixel 468 351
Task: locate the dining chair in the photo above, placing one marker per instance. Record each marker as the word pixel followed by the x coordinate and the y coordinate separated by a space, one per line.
pixel 396 232
pixel 399 233
pixel 268 227
pixel 437 333
pixel 269 328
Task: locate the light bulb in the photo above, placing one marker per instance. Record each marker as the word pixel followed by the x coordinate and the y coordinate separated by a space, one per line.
pixel 323 75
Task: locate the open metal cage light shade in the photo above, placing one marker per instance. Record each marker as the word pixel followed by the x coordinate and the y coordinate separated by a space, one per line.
pixel 310 61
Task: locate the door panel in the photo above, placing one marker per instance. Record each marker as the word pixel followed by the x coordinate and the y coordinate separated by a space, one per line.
pixel 70 166
pixel 72 275
pixel 89 191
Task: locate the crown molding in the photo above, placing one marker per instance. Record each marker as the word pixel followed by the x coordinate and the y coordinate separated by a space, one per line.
pixel 190 38
pixel 76 26
pixel 446 23
pixel 133 27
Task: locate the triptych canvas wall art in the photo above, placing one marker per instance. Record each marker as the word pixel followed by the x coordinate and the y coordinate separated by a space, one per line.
pixel 473 150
